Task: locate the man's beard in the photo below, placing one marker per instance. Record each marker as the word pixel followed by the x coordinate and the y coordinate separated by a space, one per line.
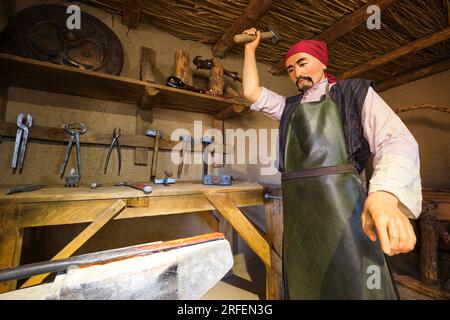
pixel 305 84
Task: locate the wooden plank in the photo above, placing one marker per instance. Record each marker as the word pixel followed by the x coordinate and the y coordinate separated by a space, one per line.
pixel 79 240
pixel 225 205
pixel 182 62
pixel 415 284
pixel 342 27
pixel 274 225
pixel 3 103
pixel 148 60
pixel 210 219
pixel 6 11
pixel 11 237
pixel 248 18
pixel 406 50
pixel 414 75
pixel 28 73
pixel 90 137
pixel 71 212
pixel 56 194
pixel 131 15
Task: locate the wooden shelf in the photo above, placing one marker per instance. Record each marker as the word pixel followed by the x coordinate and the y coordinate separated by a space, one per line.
pixel 39 75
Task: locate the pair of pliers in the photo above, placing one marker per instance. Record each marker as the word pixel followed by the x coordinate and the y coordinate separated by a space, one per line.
pixel 75 130
pixel 116 134
pixel 21 135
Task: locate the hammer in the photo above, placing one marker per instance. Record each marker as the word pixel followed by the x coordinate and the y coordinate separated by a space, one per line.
pixel 271 34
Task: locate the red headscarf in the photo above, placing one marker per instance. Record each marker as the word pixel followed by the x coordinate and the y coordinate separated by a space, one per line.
pixel 317 49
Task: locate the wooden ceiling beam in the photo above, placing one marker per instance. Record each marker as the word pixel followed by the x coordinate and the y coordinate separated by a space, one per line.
pixel 417 74
pixel 343 26
pixel 248 19
pixel 408 49
pixel 6 11
pixel 131 14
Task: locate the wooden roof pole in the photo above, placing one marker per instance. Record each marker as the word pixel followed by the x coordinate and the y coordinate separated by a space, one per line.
pixel 131 15
pixel 343 26
pixel 414 75
pixel 247 19
pixel 408 49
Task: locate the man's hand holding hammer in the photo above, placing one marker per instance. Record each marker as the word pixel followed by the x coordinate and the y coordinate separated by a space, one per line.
pixel 250 77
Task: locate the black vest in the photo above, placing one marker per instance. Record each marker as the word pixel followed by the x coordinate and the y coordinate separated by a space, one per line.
pixel 349 95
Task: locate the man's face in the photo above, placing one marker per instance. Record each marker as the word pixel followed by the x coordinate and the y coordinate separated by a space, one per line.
pixel 305 70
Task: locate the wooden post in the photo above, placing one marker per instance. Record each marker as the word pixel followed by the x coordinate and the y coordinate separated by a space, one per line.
pixel 10 242
pixel 6 10
pixel 228 209
pixel 147 64
pixel 216 82
pixel 182 69
pixel 274 224
pixel 3 102
pixel 429 244
pixel 132 13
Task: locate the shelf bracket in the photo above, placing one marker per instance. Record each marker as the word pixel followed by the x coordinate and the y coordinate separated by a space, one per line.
pixel 229 112
pixel 148 97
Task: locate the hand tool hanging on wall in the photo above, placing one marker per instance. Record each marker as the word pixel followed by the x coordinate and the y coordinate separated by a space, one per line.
pixel 25 188
pixel 207 64
pixel 223 180
pixel 272 34
pixel 115 142
pixel 24 123
pixel 186 147
pixel 139 186
pixel 158 135
pixel 74 130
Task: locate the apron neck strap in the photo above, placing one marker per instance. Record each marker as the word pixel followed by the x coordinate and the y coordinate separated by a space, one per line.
pixel 327 90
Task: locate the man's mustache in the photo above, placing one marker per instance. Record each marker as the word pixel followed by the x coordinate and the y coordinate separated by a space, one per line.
pixel 303 78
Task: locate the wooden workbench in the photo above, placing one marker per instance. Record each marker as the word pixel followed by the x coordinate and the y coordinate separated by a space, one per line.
pixel 59 206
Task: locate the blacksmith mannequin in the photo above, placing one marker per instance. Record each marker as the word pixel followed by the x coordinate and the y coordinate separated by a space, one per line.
pixel 327 133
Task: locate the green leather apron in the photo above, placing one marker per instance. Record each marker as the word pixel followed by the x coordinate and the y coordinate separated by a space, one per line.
pixel 326 254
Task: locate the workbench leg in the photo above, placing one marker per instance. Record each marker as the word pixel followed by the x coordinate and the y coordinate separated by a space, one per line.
pixel 228 209
pixel 274 225
pixel 429 245
pixel 10 243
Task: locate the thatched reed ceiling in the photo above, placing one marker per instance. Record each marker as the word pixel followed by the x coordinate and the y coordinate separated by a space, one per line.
pixel 403 22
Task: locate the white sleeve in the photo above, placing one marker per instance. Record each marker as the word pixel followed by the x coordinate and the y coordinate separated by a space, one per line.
pixel 271 103
pixel 396 162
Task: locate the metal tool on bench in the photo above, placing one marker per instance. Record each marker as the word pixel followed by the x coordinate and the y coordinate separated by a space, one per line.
pixel 272 34
pixel 24 122
pixel 140 186
pixel 223 180
pixel 166 180
pixel 115 142
pixel 188 143
pixel 158 135
pixel 25 188
pixel 74 130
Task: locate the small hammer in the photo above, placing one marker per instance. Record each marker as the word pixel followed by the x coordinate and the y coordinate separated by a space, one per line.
pixel 271 34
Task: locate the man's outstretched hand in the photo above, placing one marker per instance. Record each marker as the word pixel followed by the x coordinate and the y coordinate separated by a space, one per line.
pixel 393 227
